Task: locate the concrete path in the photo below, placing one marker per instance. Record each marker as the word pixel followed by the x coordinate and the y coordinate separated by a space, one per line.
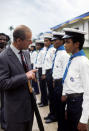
pixel 44 111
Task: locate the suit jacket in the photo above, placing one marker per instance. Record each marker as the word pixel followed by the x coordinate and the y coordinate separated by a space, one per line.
pixel 13 80
pixel 2 119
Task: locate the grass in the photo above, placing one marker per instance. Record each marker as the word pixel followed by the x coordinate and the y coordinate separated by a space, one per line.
pixel 86 50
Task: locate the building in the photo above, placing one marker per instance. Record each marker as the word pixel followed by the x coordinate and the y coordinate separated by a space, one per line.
pixel 81 22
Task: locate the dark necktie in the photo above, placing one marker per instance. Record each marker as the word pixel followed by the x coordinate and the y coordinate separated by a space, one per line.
pixel 23 61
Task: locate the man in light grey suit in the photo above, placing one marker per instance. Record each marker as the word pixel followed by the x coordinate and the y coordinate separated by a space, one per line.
pixel 14 81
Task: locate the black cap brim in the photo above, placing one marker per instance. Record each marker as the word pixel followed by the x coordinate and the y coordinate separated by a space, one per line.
pixel 54 38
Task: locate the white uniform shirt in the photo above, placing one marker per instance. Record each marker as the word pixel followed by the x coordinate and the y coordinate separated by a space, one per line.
pixel 60 63
pixel 40 58
pixel 33 57
pixel 47 63
pixel 77 81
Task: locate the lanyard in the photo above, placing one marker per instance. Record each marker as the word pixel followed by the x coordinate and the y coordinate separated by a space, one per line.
pixel 59 48
pixel 80 53
pixel 46 52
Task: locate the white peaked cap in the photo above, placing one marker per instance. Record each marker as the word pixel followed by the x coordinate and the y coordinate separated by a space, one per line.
pixel 74 30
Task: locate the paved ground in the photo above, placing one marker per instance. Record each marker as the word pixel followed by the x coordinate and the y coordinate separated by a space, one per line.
pixel 44 111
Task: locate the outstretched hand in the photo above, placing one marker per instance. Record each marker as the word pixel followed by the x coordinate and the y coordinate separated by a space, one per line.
pixel 31 74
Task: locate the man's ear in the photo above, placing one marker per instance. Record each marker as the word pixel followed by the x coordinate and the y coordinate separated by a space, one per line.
pixel 18 40
pixel 77 44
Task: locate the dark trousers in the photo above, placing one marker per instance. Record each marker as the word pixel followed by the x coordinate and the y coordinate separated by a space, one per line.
pixel 49 81
pixel 25 126
pixel 59 105
pixel 43 88
pixel 0 107
pixel 74 111
pixel 35 86
pixel 3 123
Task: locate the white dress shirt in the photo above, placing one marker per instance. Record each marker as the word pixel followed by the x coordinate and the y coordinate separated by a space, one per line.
pixel 16 51
pixel 60 63
pixel 47 64
pixel 77 81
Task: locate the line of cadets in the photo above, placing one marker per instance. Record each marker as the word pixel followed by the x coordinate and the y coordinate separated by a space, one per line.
pixel 63 79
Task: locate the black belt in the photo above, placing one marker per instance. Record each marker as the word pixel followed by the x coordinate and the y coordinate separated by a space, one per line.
pixel 57 80
pixel 39 68
pixel 49 70
pixel 74 95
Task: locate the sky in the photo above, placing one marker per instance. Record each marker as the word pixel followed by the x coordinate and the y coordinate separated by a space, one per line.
pixel 39 15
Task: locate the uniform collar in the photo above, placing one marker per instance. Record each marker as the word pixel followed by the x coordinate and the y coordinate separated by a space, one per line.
pixel 80 53
pixel 61 47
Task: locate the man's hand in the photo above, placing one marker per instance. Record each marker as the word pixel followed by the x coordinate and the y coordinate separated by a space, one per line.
pixel 66 115
pixel 82 127
pixel 31 74
pixel 43 77
pixel 53 84
pixel 63 98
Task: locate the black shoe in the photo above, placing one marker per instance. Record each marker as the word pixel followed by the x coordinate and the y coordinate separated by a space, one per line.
pixel 3 126
pixel 50 121
pixel 47 117
pixel 39 103
pixel 43 105
pixel 37 93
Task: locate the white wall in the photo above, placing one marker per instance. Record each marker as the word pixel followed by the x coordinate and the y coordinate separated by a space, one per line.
pixel 87 35
pixel 82 25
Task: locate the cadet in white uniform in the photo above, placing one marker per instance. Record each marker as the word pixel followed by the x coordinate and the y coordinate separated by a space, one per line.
pixel 47 64
pixel 33 54
pixel 38 59
pixel 59 64
pixel 38 65
pixel 76 81
pixel 47 73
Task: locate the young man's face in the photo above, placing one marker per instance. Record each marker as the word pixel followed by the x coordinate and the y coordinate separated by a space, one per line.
pixel 38 46
pixel 57 43
pixel 70 46
pixel 47 42
pixel 32 48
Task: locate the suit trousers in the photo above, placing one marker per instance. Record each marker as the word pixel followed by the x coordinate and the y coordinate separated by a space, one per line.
pixel 74 111
pixel 3 124
pixel 25 126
